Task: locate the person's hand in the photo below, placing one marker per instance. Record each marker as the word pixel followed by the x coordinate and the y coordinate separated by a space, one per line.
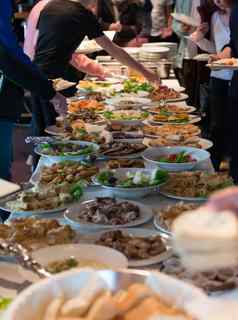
pixel 60 103
pixel 185 28
pixel 166 32
pixel 115 27
pixel 152 77
pixel 203 28
pixel 224 200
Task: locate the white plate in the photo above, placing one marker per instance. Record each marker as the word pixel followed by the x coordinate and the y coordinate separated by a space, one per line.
pixel 187 109
pixel 69 157
pixel 217 66
pixel 142 233
pixel 190 21
pixel 61 84
pixel 113 258
pixel 171 196
pixel 3 206
pixel 135 101
pixel 205 143
pixel 192 119
pixel 183 97
pixel 54 131
pixel 71 216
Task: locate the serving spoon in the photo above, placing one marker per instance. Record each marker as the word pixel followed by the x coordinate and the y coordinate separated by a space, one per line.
pixel 24 258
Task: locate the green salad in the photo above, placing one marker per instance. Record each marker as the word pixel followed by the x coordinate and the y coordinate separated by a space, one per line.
pixel 110 115
pixel 133 180
pixel 4 303
pixel 132 86
pixel 66 149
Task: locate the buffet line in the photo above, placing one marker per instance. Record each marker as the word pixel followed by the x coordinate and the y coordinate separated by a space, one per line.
pixel 125 141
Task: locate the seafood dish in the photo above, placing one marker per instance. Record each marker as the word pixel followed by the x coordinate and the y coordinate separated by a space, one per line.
pixel 125 163
pixel 132 247
pixel 109 211
pixel 210 281
pixel 121 149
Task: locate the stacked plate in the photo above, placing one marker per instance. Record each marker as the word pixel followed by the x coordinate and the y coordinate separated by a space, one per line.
pixel 153 54
pixel 133 52
pixel 172 47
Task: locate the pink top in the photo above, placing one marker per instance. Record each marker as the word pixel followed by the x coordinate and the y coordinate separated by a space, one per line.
pixel 79 61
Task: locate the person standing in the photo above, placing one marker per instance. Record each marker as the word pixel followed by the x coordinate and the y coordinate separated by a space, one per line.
pixel 219 81
pixel 17 72
pixel 161 21
pixel 58 40
pixel 185 66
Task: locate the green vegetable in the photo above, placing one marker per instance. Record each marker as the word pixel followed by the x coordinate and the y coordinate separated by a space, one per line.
pixel 4 303
pixel 132 86
pixel 160 177
pixel 107 178
pixel 76 191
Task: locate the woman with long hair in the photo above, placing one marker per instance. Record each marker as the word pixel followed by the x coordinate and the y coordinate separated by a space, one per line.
pixel 219 36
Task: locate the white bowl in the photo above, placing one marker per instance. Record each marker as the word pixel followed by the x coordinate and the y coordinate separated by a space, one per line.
pixel 32 303
pixel 130 193
pixel 151 154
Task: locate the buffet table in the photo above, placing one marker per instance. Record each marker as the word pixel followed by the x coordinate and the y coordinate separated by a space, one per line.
pixel 11 278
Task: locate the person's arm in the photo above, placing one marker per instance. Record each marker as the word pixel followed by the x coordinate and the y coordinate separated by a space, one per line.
pixel 86 65
pixel 198 37
pixel 25 75
pixel 122 56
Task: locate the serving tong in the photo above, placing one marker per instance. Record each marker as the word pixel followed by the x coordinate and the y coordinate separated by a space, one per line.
pixel 23 257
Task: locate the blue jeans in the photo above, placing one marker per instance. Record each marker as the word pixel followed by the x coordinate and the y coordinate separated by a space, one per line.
pixel 6 133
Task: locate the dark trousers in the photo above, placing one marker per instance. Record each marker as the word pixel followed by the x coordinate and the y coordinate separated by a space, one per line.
pixel 218 131
pixel 233 127
pixel 43 115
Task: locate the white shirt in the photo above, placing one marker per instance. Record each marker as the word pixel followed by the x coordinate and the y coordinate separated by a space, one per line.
pixel 220 36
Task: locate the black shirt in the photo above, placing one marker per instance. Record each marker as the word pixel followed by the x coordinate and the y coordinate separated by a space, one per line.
pixel 234 31
pixel 63 24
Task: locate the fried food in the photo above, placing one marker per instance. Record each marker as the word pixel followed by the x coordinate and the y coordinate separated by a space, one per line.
pixel 66 172
pixel 136 302
pixel 93 105
pixel 196 184
pixel 172 131
pixel 166 216
pixel 32 233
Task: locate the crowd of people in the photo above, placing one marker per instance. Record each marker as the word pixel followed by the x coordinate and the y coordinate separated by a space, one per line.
pixel 55 28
